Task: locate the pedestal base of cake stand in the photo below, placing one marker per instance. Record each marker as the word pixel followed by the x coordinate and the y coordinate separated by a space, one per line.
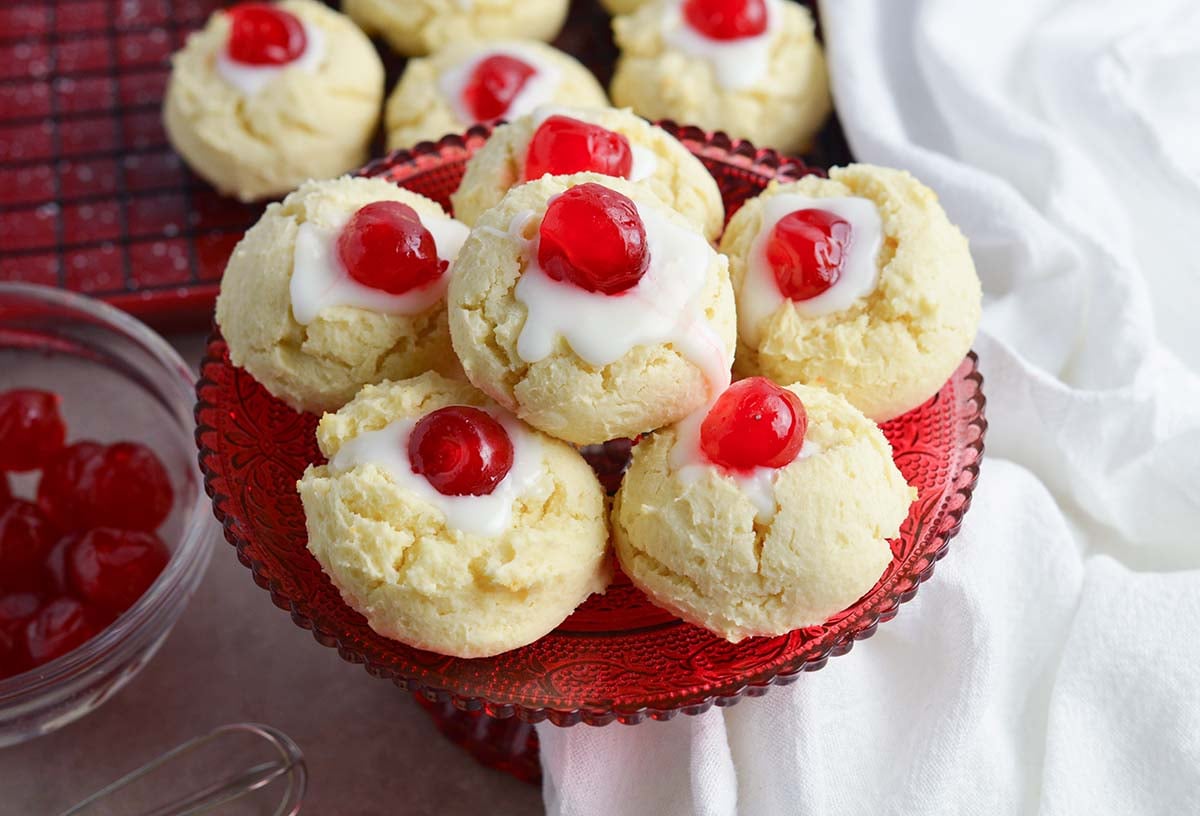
pixel 509 745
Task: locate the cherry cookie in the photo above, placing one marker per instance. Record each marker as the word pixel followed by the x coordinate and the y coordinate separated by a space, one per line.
pixel 268 95
pixel 449 524
pixel 858 283
pixel 765 512
pixel 591 310
pixel 340 285
pixel 559 141
pixel 471 82
pixel 752 68
pixel 416 27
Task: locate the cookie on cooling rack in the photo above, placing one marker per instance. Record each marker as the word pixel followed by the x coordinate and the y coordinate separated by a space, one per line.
pixel 416 27
pixel 591 309
pixel 469 82
pixel 768 512
pixel 267 96
pixel 449 524
pixel 559 141
pixel 752 68
pixel 858 283
pixel 340 285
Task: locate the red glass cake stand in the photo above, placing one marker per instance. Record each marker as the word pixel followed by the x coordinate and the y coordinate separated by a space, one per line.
pixel 618 657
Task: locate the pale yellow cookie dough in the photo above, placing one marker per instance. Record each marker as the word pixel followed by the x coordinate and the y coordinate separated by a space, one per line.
pixel 783 110
pixel 416 27
pixel 678 178
pixel 622 6
pixel 418 110
pixel 395 559
pixel 321 366
pixel 301 125
pixel 648 387
pixel 894 348
pixel 696 549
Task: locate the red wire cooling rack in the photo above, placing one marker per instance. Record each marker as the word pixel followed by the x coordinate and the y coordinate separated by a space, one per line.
pixel 92 198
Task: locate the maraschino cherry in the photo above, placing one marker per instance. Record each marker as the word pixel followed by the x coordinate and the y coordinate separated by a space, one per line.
pixel 59 627
pixel 754 424
pixel 461 451
pixel 385 246
pixel 262 34
pixel 806 250
pixel 110 569
pixel 593 237
pixel 726 19
pixel 26 538
pixel 31 428
pixel 92 485
pixel 16 610
pixel 494 84
pixel 562 145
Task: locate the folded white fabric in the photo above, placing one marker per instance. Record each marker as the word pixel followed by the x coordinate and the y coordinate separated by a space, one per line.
pixel 1051 666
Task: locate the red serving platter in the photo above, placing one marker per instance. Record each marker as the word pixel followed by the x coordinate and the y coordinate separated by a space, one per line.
pixel 618 657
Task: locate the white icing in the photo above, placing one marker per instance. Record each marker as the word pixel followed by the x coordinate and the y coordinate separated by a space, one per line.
pixel 320 282
pixel 760 297
pixel 537 90
pixel 758 485
pixel 737 64
pixel 488 515
pixel 663 307
pixel 250 79
pixel 645 162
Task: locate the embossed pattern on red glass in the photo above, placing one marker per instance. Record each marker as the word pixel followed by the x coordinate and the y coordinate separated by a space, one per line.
pixel 618 658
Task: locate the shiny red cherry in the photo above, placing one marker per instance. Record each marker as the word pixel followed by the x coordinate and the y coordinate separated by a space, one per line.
pixel 494 84
pixel 110 569
pixel 462 451
pixel 262 34
pixel 59 627
pixel 562 145
pixel 26 538
pixel 385 246
pixel 806 250
pixel 726 19
pixel 64 478
pixel 755 423
pixel 593 237
pixel 122 485
pixel 16 610
pixel 31 428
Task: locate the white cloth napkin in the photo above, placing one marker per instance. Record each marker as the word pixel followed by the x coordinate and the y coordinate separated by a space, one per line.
pixel 1052 665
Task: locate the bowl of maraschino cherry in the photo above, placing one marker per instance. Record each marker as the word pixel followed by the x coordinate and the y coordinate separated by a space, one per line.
pixel 102 533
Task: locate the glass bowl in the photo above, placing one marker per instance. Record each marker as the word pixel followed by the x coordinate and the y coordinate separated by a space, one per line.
pixel 119 381
pixel 618 657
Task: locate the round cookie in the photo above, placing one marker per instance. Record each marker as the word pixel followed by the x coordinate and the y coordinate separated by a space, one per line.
pixel 771 89
pixel 427 101
pixel 583 366
pixel 316 356
pixel 417 27
pixel 258 131
pixel 398 554
pixel 660 163
pixel 693 539
pixel 889 349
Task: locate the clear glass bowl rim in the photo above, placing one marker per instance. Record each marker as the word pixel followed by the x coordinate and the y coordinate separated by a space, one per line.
pixel 173 588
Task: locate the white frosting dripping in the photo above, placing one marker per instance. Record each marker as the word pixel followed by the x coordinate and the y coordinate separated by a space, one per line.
pixel 662 308
pixel 760 297
pixel 645 162
pixel 488 515
pixel 250 79
pixel 737 64
pixel 320 282
pixel 758 484
pixel 537 90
